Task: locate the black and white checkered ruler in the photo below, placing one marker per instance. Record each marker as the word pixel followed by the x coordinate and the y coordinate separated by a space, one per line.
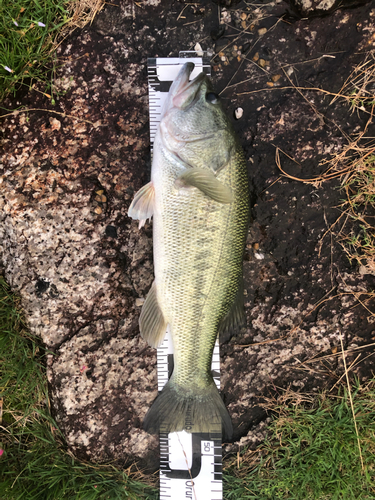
pixel 190 463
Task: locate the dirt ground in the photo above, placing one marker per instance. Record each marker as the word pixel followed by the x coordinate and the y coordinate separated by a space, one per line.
pixel 68 174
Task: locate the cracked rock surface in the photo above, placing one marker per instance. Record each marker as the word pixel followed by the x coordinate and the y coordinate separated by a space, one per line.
pixel 68 174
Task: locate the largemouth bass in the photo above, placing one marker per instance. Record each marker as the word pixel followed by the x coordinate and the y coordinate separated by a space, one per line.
pixel 199 199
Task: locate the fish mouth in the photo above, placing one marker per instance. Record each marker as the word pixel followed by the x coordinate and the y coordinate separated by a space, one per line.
pixel 181 95
pixel 183 91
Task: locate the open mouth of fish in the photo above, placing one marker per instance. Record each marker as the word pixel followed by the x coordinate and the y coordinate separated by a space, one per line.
pixel 182 89
pixel 183 94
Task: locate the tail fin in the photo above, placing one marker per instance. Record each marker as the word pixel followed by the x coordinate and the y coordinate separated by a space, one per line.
pixel 175 410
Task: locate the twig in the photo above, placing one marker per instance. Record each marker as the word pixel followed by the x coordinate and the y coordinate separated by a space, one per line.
pixel 64 115
pixel 324 177
pixel 351 402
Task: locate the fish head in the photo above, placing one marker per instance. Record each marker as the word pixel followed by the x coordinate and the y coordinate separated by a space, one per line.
pixel 194 125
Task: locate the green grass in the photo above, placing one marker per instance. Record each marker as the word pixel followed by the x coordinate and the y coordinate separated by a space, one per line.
pixel 27 31
pixel 312 453
pixel 34 464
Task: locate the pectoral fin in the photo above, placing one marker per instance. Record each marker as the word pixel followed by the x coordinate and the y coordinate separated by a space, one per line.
pixel 235 319
pixel 206 182
pixel 151 322
pixel 142 207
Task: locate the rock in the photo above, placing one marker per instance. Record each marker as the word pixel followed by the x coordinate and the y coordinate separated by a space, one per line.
pixel 82 267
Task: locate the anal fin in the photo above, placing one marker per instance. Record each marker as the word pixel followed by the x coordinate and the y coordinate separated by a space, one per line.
pixel 142 206
pixel 205 181
pixel 151 321
pixel 235 319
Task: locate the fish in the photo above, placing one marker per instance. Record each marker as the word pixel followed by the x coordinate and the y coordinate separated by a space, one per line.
pixel 198 198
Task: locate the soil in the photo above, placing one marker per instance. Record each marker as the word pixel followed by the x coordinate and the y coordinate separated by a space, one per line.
pixel 68 173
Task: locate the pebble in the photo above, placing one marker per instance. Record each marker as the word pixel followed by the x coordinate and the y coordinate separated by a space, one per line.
pixel 275 78
pixel 259 255
pixel 98 210
pixel 238 113
pixel 262 31
pixel 198 49
pixel 243 16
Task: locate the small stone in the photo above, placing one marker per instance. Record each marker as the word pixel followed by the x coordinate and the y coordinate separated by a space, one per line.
pixel 238 113
pixel 256 246
pixel 98 210
pixel 259 255
pixel 98 198
pixel 198 49
pixel 262 63
pixel 103 198
pixel 275 78
pixel 243 16
pixel 256 57
pixel 262 31
pixel 139 302
pixel 243 25
pixel 100 191
pixel 55 124
pixel 270 84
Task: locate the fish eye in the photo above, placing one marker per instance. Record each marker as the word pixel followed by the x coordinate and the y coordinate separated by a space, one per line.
pixel 212 98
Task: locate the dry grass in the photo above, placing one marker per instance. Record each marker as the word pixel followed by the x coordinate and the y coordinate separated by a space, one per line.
pixel 82 12
pixel 355 166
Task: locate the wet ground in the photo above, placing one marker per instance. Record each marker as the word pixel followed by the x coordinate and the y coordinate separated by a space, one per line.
pixel 68 175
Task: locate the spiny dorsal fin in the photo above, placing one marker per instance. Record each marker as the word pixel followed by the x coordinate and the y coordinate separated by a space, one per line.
pixel 235 319
pixel 151 321
pixel 142 207
pixel 206 182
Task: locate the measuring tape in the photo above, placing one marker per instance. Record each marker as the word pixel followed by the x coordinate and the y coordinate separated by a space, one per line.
pixel 190 463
